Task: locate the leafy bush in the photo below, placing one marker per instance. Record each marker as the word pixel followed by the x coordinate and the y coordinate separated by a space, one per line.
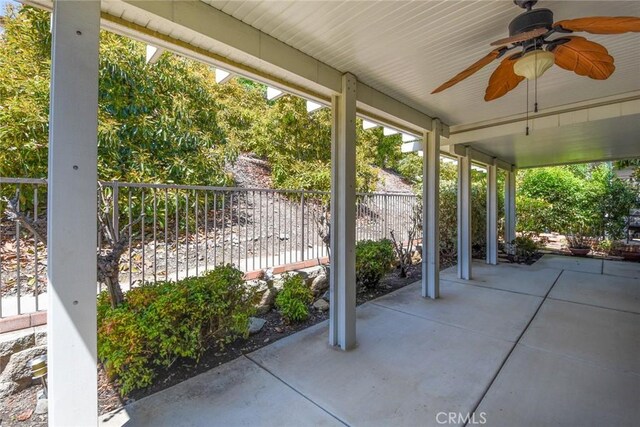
pixel 373 260
pixel 294 299
pixel 523 249
pixel 160 323
pixel 565 198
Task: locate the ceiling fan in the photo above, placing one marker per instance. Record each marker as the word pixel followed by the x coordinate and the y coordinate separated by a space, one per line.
pixel 530 33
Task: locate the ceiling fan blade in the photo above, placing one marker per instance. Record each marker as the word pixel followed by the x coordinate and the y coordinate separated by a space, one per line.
pixel 503 79
pixel 602 24
pixel 584 57
pixel 528 35
pixel 477 66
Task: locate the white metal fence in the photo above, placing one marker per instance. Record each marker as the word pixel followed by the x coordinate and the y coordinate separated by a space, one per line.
pixel 175 231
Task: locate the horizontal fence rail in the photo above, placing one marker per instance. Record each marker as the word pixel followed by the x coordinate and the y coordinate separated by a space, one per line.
pixel 178 231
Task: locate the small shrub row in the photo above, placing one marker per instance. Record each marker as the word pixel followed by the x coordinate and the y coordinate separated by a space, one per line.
pixel 160 323
pixel 373 260
pixel 294 299
pixel 523 249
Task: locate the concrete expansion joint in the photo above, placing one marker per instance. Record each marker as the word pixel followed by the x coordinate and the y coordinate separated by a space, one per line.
pixel 515 344
pixel 264 368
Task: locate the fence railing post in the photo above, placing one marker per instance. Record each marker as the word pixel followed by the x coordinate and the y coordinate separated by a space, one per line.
pixel 302 228
pixel 386 215
pixel 115 211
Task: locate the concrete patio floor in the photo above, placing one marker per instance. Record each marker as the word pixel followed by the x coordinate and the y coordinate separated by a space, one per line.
pixel 555 343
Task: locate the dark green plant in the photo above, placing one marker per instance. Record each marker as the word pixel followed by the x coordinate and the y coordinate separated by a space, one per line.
pixel 160 323
pixel 294 298
pixel 523 249
pixel 373 260
pixel 566 198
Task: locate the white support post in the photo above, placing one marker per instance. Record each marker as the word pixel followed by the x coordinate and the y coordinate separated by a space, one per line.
pixel 464 216
pixel 430 212
pixel 492 214
pixel 510 207
pixel 72 228
pixel 342 315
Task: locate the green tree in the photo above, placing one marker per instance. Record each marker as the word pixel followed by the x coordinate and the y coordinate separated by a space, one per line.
pixel 168 122
pixel 298 146
pixel 24 93
pixel 588 199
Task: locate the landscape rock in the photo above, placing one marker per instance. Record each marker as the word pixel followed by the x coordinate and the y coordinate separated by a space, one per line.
pixel 277 283
pixel 268 274
pixel 258 285
pixel 42 406
pixel 301 273
pixel 14 342
pixel 7 389
pixel 18 370
pixel 40 335
pixel 255 325
pixel 311 274
pixel 416 258
pixel 267 300
pixel 321 305
pixel 327 296
pixel 320 284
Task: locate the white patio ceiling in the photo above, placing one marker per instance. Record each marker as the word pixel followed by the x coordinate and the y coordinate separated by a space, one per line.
pixel 404 49
pixel 407 49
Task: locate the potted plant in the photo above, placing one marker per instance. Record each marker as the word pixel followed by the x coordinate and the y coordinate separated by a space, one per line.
pixel 578 244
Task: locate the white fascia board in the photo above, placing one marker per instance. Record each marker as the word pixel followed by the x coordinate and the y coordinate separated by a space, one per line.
pixel 408 137
pixel 366 124
pixel 244 39
pixel 153 54
pixel 222 76
pixel 411 147
pixel 251 49
pixel 582 112
pixel 445 159
pixel 374 103
pixel 313 106
pixel 273 93
pixel 386 131
pixel 483 158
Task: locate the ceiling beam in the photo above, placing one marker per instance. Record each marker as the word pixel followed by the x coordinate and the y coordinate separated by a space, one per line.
pixel 228 33
pixel 480 157
pixel 583 112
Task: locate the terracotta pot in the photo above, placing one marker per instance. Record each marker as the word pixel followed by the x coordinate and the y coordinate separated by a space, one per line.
pixel 579 251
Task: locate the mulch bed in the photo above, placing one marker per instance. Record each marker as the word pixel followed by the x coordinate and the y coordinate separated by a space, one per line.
pixel 16 410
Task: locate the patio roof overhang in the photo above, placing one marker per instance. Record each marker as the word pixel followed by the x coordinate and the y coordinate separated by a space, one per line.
pixel 578 133
pixel 399 52
pixel 380 60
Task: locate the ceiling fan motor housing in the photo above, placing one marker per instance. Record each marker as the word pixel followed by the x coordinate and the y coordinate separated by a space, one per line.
pixel 531 20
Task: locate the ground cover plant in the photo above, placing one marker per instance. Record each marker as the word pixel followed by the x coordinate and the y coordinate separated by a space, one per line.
pixel 373 260
pixel 294 298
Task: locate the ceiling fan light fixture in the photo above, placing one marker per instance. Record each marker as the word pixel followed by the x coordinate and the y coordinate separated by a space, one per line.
pixel 533 64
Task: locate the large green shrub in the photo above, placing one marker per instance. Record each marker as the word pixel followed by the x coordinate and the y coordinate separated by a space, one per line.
pixel 159 323
pixel 294 298
pixel 373 260
pixel 572 198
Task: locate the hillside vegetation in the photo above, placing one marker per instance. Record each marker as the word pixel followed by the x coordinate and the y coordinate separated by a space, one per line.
pixel 168 122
